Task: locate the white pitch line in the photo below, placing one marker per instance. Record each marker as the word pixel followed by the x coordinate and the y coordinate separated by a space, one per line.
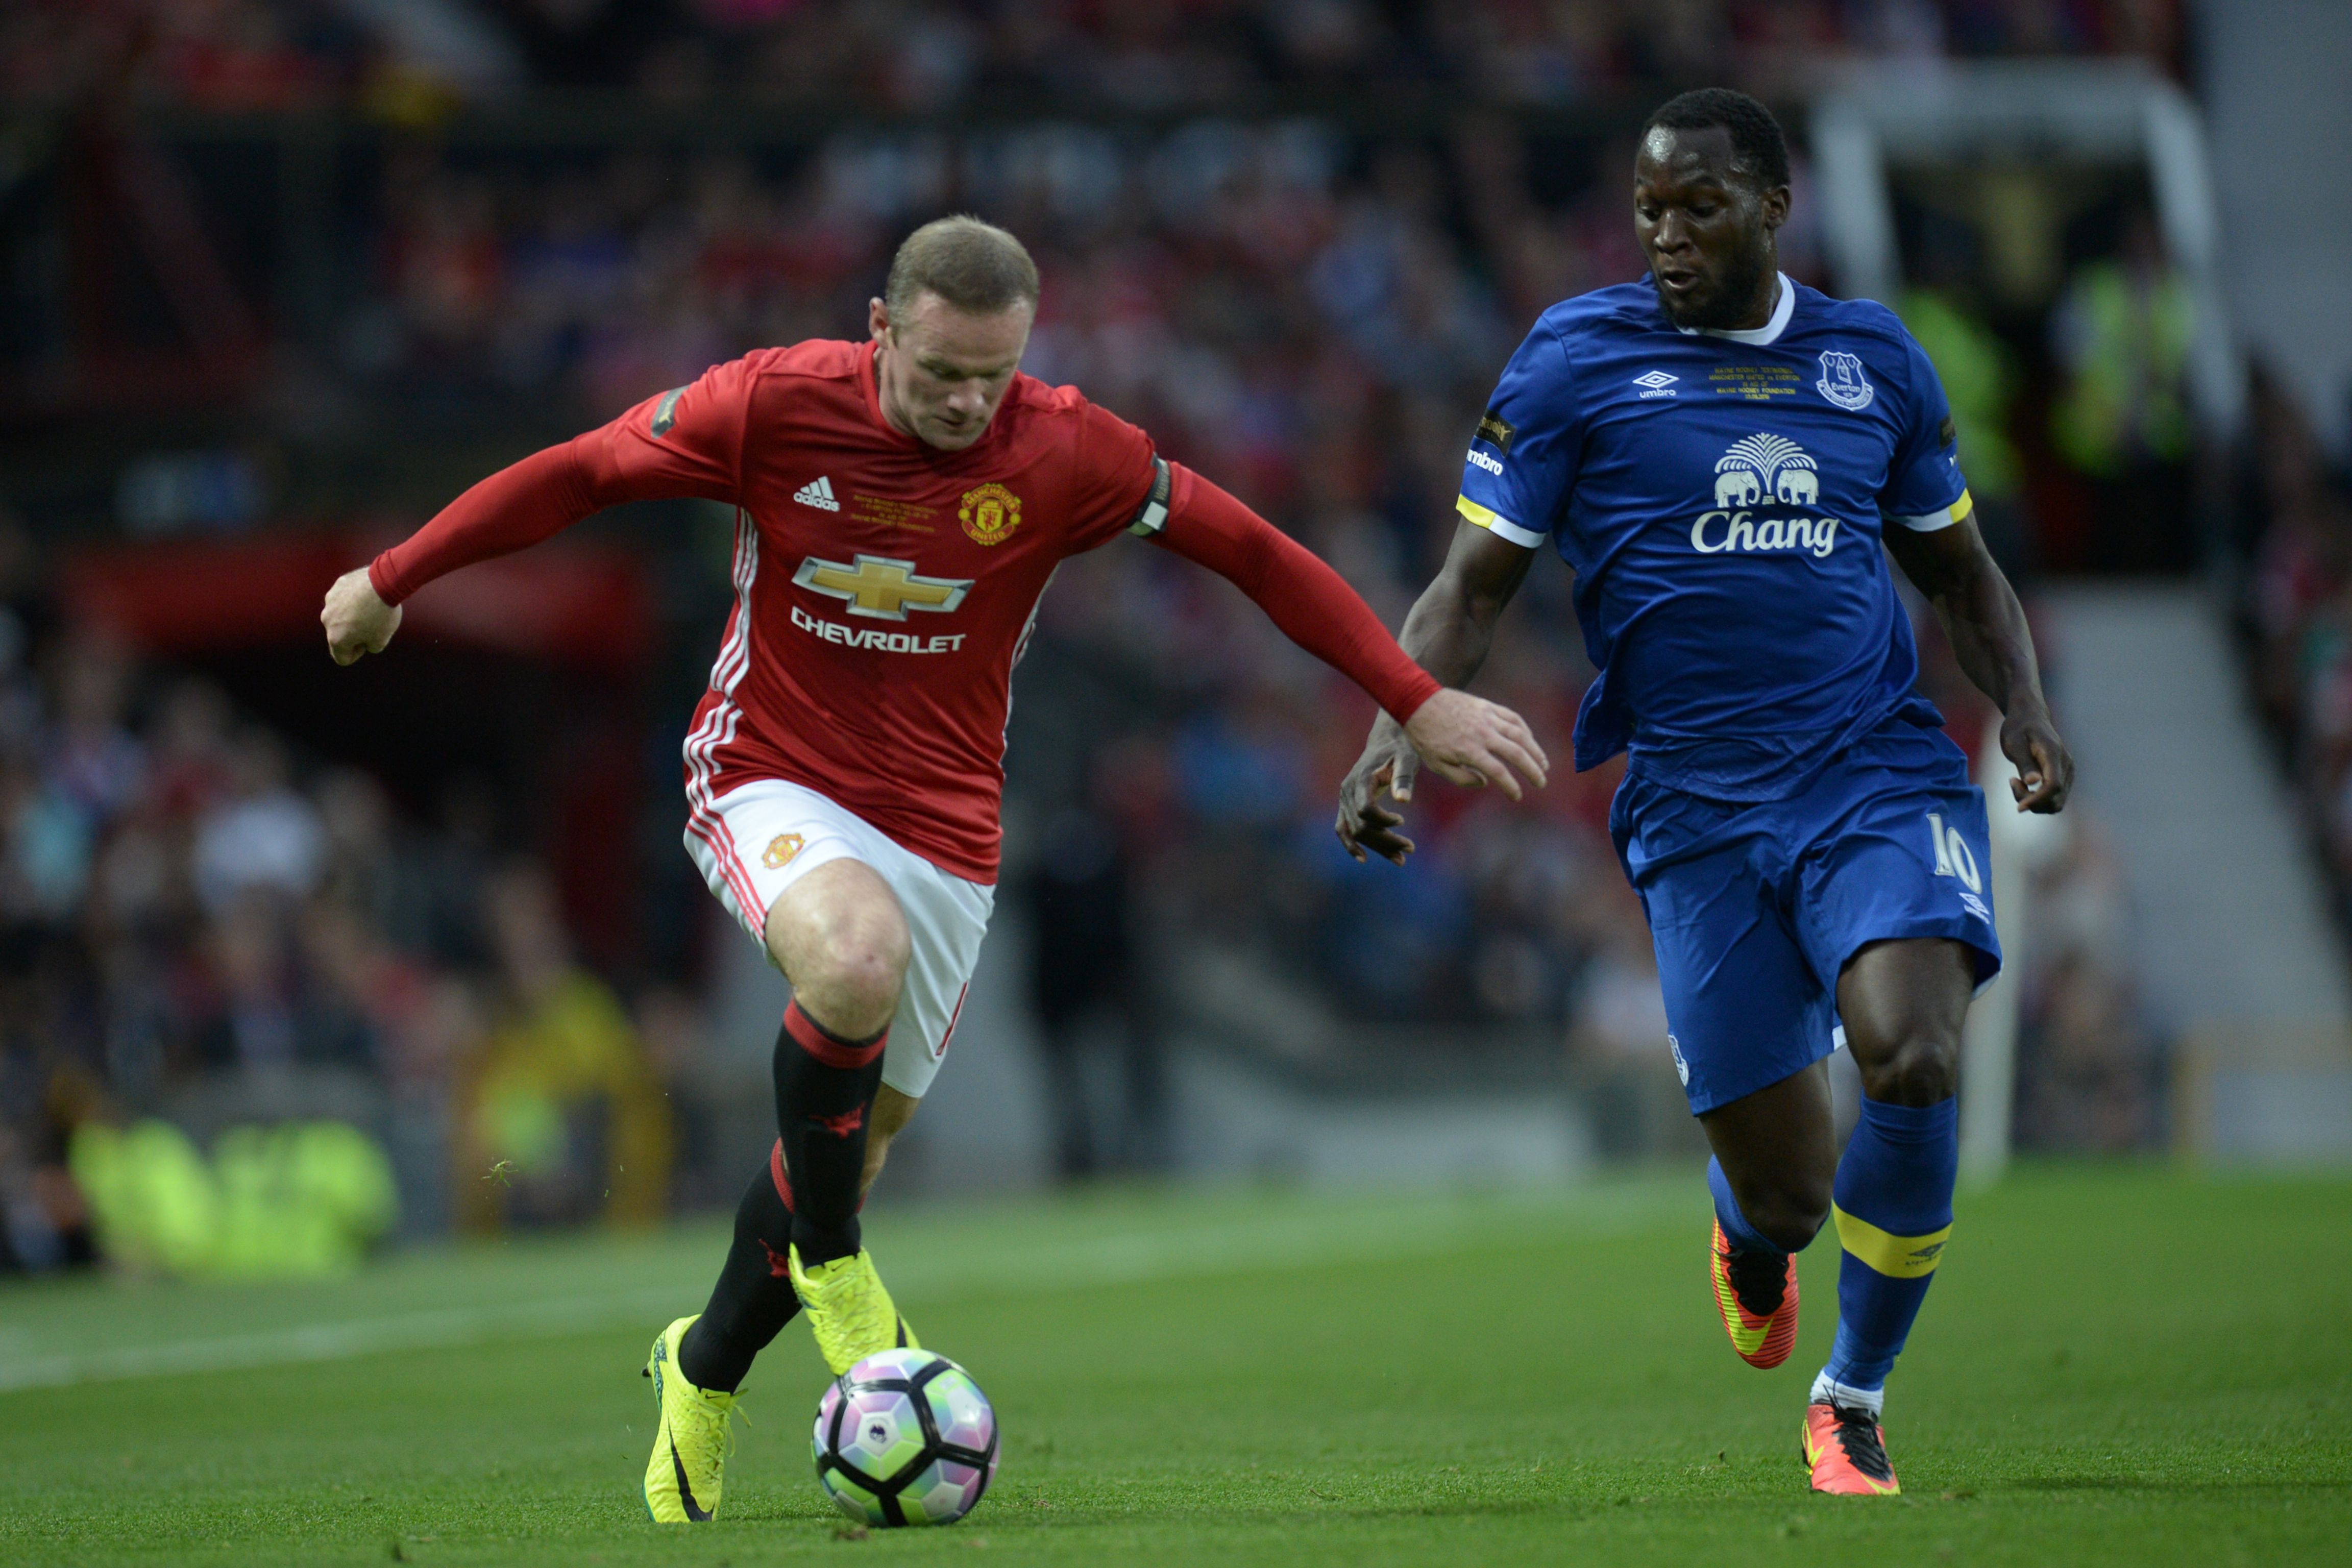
pixel 1410 1229
pixel 440 1329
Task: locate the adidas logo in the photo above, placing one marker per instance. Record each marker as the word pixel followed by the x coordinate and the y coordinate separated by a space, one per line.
pixel 818 493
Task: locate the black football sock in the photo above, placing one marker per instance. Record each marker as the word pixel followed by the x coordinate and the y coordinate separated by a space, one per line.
pixel 754 1298
pixel 825 1095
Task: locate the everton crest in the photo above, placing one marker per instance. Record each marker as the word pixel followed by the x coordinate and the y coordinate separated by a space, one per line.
pixel 1843 382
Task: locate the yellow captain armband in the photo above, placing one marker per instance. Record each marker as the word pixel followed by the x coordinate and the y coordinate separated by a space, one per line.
pixel 1497 523
pixel 1942 517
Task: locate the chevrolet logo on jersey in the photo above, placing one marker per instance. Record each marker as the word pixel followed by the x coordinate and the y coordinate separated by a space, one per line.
pixel 880 587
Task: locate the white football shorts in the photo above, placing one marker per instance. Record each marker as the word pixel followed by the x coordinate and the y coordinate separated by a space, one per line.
pixel 755 841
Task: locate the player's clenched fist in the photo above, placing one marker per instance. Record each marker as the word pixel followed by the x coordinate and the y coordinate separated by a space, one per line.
pixel 357 619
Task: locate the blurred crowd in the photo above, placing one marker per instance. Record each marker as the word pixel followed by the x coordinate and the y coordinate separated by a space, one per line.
pixel 2297 604
pixel 197 927
pixel 417 58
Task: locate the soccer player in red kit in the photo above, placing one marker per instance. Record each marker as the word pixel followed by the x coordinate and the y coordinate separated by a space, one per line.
pixel 904 504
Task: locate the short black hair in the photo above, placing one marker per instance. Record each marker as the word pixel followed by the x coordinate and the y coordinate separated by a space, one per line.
pixel 1758 150
pixel 975 266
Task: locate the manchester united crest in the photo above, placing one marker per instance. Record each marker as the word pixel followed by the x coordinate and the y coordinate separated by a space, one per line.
pixel 781 851
pixel 990 513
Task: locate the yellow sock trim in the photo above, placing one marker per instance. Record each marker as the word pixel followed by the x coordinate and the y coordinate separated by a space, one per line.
pixel 1896 1257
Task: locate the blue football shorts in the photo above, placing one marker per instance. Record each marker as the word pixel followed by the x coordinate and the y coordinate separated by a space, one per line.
pixel 1755 907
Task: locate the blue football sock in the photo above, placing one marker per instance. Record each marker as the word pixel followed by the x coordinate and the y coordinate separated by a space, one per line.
pixel 1894 1212
pixel 1736 1228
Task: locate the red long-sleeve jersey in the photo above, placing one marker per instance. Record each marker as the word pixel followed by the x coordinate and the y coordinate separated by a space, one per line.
pixel 884 588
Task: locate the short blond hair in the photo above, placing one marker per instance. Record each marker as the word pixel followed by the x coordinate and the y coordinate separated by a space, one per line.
pixel 973 265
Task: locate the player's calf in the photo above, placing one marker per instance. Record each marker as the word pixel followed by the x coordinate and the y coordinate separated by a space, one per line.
pixel 1754 1281
pixel 892 1112
pixel 754 1298
pixel 841 937
pixel 1775 1159
pixel 1903 1003
pixel 825 1089
pixel 825 1099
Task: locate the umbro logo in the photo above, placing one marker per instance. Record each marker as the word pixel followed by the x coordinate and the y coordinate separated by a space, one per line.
pixel 818 493
pixel 1656 384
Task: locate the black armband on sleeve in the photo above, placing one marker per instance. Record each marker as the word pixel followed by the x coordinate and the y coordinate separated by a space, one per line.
pixel 1152 515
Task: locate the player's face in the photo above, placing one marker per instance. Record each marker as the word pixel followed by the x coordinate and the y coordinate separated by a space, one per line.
pixel 1705 228
pixel 941 372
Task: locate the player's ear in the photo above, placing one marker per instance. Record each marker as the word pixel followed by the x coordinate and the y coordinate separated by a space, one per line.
pixel 877 318
pixel 1776 208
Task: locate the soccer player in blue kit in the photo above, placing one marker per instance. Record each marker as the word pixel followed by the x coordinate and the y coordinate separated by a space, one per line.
pixel 1719 455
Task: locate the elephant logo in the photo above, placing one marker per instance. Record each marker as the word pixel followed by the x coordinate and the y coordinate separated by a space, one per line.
pixel 1759 466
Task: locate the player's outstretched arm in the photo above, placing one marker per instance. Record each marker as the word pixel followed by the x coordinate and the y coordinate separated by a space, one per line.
pixel 686 442
pixel 1449 632
pixel 1986 625
pixel 1466 739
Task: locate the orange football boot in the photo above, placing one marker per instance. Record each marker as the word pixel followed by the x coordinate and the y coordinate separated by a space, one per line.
pixel 1747 1280
pixel 1846 1450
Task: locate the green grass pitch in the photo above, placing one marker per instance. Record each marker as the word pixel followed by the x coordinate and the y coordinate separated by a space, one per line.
pixel 2117 1365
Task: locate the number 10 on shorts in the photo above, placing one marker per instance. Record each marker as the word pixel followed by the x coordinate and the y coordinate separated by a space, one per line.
pixel 1953 856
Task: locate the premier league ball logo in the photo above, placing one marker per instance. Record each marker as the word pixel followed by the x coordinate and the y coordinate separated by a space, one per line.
pixel 1843 382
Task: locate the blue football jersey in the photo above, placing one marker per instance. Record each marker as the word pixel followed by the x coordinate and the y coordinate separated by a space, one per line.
pixel 1720 497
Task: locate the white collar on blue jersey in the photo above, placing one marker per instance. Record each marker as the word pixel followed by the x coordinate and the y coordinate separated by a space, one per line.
pixel 1756 337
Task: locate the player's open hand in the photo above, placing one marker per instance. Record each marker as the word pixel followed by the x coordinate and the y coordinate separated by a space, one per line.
pixel 1387 766
pixel 357 620
pixel 2045 768
pixel 1473 742
pixel 1465 739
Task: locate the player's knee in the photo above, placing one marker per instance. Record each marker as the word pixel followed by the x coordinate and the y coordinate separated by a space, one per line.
pixel 1789 1212
pixel 858 968
pixel 1787 1203
pixel 1920 1068
pixel 843 940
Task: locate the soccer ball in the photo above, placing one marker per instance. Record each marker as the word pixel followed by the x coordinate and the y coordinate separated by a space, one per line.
pixel 905 1437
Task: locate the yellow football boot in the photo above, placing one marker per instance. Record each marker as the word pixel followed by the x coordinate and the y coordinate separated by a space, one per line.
pixel 849 1311
pixel 691 1439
